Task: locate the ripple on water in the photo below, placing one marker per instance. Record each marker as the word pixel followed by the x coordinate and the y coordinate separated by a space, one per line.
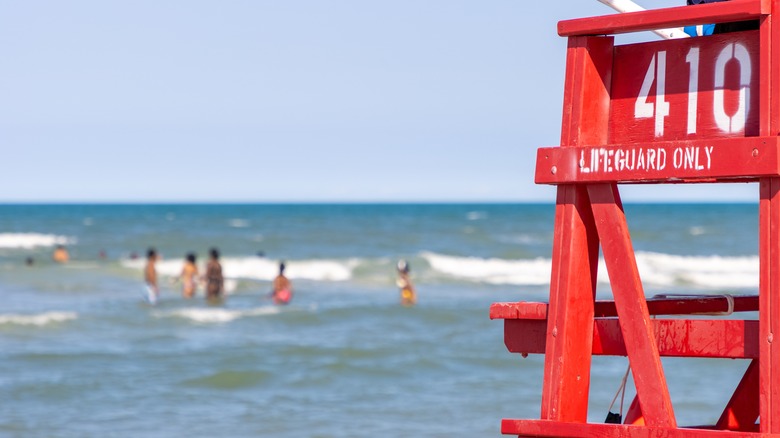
pixel 229 380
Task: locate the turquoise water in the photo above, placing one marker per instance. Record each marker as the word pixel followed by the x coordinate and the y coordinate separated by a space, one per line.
pixel 82 355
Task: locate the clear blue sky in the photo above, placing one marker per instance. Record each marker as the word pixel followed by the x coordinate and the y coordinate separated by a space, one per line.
pixel 295 100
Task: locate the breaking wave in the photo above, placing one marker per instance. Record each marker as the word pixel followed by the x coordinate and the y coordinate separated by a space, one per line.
pixel 656 269
pixel 32 240
pixel 216 315
pixel 40 319
pixel 257 268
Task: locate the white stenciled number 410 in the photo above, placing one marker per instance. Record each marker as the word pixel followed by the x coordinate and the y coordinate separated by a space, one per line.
pixel 656 73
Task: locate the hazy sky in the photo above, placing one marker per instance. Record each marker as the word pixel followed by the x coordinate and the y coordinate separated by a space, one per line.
pixel 294 100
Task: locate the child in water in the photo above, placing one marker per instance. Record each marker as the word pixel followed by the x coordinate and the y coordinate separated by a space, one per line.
pixel 408 295
pixel 282 293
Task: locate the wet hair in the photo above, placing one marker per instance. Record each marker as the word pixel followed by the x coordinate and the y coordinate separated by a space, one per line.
pixel 151 253
pixel 281 267
pixel 191 257
pixel 214 252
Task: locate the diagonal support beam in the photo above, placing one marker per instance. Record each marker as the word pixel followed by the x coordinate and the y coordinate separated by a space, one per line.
pixel 631 306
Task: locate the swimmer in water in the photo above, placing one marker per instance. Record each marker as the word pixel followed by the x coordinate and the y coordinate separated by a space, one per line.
pixel 408 295
pixel 60 254
pixel 215 283
pixel 188 275
pixel 150 276
pixel 282 293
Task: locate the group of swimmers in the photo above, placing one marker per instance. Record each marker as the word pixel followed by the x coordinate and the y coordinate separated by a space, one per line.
pixel 213 280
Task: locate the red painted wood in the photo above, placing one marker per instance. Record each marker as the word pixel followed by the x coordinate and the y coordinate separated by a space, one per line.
pixel 671 305
pixel 741 412
pixel 727 338
pixel 543 428
pixel 735 10
pixel 631 66
pixel 519 310
pixel 769 305
pixel 631 307
pixel 634 414
pixel 744 159
pixel 766 67
pixel 685 338
pixel 602 113
pixel 575 247
pixel 686 306
pixel 570 321
pixel 586 91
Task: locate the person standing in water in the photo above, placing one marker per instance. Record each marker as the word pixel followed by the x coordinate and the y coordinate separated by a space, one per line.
pixel 60 254
pixel 150 276
pixel 214 280
pixel 188 275
pixel 282 293
pixel 408 295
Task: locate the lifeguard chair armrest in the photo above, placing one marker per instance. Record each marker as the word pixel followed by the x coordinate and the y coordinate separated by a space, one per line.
pixel 721 12
pixel 664 305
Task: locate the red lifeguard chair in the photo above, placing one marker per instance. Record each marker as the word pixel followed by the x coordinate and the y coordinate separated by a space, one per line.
pixel 693 110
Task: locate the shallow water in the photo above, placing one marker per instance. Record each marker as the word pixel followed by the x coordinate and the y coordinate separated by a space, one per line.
pixel 82 355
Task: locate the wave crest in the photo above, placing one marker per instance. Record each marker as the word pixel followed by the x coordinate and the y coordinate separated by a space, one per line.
pixel 257 268
pixel 656 269
pixel 40 319
pixel 33 240
pixel 217 316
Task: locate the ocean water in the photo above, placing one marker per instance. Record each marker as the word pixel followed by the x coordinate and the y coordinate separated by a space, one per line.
pixel 82 355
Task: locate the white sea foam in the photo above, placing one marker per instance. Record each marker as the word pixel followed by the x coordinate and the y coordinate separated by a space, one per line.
pixel 40 319
pixel 476 215
pixel 491 270
pixel 238 223
pixel 654 268
pixel 258 268
pixel 696 231
pixel 32 240
pixel 216 315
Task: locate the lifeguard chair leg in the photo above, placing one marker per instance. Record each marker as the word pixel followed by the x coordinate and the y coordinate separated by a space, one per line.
pixel 569 336
pixel 769 305
pixel 631 306
pixel 570 315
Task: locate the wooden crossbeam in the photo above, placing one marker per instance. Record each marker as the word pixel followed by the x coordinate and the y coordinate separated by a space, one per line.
pixel 663 305
pixel 735 10
pixel 718 338
pixel 719 160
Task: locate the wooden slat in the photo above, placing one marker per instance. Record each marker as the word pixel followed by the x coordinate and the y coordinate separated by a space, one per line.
pixel 735 10
pixel 699 161
pixel 719 338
